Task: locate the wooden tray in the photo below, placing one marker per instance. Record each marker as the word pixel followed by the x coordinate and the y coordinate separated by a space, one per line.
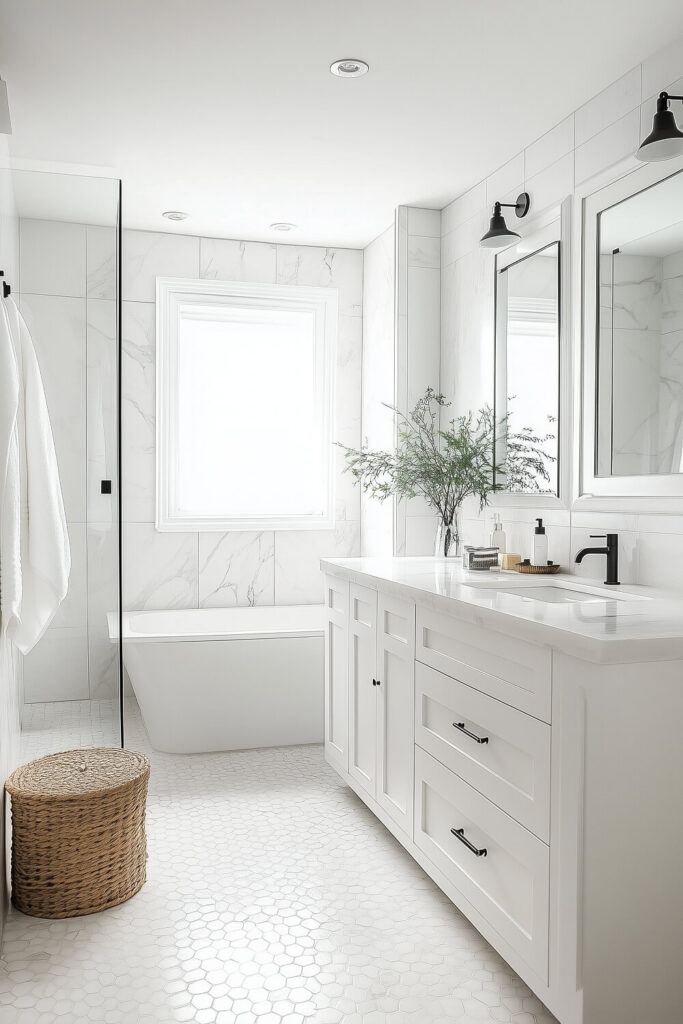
pixel 538 570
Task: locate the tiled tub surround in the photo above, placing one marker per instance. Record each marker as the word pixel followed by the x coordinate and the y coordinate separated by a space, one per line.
pixel 596 141
pixel 68 288
pixel 501 730
pixel 273 896
pixel 189 570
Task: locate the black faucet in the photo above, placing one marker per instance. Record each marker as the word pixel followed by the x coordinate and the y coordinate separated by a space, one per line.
pixel 612 552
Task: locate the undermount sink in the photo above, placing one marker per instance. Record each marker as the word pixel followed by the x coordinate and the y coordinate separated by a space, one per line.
pixel 554 595
pixel 557 592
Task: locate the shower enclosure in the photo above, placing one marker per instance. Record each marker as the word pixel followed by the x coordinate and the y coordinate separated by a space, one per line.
pixel 66 284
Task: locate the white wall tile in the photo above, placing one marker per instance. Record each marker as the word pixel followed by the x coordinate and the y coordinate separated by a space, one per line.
pixel 103 597
pixel 424 222
pixel 58 329
pixel 138 411
pixel 57 667
pixel 52 258
pixel 594 567
pixel 236 569
pixel 463 208
pixel 424 251
pixel 298 579
pixel 102 414
pixel 424 332
pixel 550 147
pixel 326 268
pixel 420 535
pixel 226 259
pixel 662 69
pixel 100 262
pixel 608 147
pixel 161 570
pixel 552 185
pixel 147 255
pixel 507 180
pixel 608 106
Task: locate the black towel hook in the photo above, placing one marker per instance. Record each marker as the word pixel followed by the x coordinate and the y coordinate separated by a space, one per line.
pixel 6 290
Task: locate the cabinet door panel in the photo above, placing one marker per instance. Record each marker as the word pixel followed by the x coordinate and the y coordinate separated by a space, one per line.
pixel 337 673
pixel 396 726
pixel 362 692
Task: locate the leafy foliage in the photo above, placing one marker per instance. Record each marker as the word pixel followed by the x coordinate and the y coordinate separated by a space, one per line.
pixel 447 465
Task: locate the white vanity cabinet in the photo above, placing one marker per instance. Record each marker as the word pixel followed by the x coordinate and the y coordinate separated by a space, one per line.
pixel 381 656
pixel 535 773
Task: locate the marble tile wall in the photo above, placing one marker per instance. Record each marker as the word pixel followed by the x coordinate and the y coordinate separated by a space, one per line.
pixel 188 570
pixel 596 141
pixel 10 661
pixel 68 289
pixel 401 358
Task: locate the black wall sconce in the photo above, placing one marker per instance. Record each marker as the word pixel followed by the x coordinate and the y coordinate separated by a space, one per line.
pixel 665 141
pixel 499 233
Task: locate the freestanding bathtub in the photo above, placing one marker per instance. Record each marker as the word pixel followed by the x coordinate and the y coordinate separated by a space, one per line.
pixel 211 679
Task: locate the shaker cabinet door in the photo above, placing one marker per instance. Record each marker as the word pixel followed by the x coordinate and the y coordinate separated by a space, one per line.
pixel 362 686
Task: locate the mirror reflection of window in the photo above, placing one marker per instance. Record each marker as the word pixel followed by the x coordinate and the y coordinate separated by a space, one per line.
pixel 640 334
pixel 527 370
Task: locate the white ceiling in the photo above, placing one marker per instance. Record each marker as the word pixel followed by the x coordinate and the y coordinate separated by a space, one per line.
pixel 226 108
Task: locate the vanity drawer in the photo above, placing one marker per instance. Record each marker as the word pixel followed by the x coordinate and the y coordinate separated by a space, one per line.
pixel 512 766
pixel 514 671
pixel 509 884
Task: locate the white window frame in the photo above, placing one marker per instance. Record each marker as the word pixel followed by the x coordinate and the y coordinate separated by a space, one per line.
pixel 175 295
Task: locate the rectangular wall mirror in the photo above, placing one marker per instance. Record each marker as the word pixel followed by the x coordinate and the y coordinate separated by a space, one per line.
pixel 633 336
pixel 640 334
pixel 527 365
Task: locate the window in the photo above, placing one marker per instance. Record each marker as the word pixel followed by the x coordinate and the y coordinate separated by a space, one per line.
pixel 244 406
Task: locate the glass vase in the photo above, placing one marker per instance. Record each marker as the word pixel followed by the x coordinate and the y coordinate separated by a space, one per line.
pixel 448 542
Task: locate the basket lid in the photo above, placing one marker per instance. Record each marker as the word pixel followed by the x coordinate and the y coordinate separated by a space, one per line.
pixel 76 772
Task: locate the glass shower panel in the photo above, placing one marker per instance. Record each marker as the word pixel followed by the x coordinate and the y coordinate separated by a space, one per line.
pixel 68 293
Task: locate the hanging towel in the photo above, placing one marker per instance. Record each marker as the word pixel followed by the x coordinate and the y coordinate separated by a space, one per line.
pixel 10 484
pixel 45 553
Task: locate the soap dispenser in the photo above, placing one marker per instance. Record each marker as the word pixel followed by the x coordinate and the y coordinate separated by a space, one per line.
pixel 540 553
pixel 498 534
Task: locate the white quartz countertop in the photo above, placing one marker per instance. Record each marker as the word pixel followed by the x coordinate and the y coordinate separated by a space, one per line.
pixel 616 625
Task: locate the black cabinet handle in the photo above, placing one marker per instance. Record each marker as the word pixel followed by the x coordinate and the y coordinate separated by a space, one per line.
pixel 459 833
pixel 375 682
pixel 472 735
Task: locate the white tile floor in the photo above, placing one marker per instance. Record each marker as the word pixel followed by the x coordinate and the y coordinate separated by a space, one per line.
pixel 273 897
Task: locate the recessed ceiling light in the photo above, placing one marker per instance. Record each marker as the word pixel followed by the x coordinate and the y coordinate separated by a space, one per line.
pixel 174 215
pixel 349 68
pixel 281 225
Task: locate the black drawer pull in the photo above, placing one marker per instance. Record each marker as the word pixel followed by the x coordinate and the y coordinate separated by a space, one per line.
pixel 472 735
pixel 459 833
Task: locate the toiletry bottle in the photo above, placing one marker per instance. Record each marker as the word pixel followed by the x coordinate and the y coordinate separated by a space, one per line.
pixel 498 534
pixel 540 554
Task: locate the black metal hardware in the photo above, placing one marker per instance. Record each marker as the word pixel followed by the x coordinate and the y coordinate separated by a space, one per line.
pixel 459 833
pixel 6 290
pixel 472 735
pixel 105 486
pixel 375 682
pixel 611 549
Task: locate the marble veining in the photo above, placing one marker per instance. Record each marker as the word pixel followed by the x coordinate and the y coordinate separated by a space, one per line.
pixel 236 569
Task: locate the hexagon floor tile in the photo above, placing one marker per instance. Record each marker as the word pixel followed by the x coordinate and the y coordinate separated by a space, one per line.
pixel 273 897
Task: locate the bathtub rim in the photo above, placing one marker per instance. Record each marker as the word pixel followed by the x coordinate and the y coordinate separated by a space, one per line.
pixel 313 625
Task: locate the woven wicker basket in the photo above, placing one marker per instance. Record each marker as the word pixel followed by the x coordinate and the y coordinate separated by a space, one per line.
pixel 78 831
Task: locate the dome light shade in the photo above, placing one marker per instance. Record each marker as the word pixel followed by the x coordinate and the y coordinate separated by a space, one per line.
pixel 499 234
pixel 665 141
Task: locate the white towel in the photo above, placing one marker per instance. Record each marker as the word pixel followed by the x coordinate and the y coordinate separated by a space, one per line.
pixel 45 553
pixel 10 485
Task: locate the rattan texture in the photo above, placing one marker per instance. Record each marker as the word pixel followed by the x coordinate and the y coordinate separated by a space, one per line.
pixel 78 831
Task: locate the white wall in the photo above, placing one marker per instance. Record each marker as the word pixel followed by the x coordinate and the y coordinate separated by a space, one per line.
pixel 401 338
pixel 10 667
pixel 189 570
pixel 596 142
pixel 68 291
